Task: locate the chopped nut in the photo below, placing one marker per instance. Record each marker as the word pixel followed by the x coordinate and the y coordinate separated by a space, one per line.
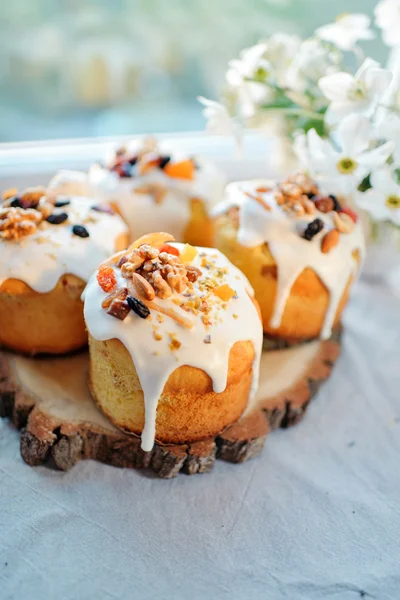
pixel 152 239
pixel 16 223
pixel 343 222
pixel 143 287
pixel 259 200
pixel 330 241
pixel 10 193
pixel 324 204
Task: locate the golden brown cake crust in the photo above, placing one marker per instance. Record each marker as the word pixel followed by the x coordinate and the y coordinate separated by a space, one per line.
pixel 188 409
pixel 33 323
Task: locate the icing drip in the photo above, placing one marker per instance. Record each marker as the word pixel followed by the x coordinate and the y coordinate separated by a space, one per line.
pixel 154 360
pixel 139 209
pixel 40 259
pixel 293 253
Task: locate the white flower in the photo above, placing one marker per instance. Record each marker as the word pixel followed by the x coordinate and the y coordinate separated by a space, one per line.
pixel 355 94
pixel 219 121
pixel 281 49
pixel 313 60
pixel 342 165
pixel 382 201
pixel 387 17
pixel 251 65
pixel 347 30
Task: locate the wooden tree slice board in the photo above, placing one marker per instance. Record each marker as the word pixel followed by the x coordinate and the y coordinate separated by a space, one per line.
pixel 49 399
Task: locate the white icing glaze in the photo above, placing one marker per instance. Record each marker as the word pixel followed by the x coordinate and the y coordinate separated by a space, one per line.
pixel 140 211
pixel 40 259
pixel 154 361
pixel 292 253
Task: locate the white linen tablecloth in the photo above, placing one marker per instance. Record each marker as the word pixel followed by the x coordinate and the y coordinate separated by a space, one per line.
pixel 316 516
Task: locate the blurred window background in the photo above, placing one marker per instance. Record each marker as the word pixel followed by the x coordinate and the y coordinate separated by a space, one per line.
pixel 79 68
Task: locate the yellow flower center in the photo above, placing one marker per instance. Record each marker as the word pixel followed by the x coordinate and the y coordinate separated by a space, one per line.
pixel 393 201
pixel 260 74
pixel 347 166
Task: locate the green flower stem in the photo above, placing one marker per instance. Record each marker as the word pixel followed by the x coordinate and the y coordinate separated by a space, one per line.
pixel 296 112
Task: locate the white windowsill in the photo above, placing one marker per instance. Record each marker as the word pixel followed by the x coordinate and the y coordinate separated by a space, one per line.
pixel 32 163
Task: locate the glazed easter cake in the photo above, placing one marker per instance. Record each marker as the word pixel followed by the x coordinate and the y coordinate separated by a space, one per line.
pixel 300 248
pixel 153 190
pixel 49 247
pixel 175 341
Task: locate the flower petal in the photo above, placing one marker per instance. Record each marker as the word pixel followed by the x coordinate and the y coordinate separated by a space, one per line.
pixel 377 157
pixel 353 134
pixel 337 86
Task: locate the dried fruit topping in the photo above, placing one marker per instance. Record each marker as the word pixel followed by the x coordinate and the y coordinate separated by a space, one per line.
pixel 80 231
pixel 169 249
pixel 324 204
pixel 119 309
pixel 312 229
pixel 347 211
pixel 106 278
pixel 16 223
pixel 336 202
pixel 224 291
pixel 138 307
pixel 330 241
pixel 103 208
pixel 60 203
pixel 163 161
pixel 120 293
pixel 181 170
pixel 192 273
pixel 188 254
pixel 263 189
pixel 57 218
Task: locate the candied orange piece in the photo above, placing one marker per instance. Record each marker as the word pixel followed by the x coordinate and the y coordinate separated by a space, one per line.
pixel 106 278
pixel 170 249
pixel 181 170
pixel 188 253
pixel 224 292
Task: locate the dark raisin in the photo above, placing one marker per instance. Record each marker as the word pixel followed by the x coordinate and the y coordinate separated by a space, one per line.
pixel 57 218
pixel 138 307
pixel 125 170
pixel 104 208
pixel 311 195
pixel 61 203
pixel 132 161
pixel 312 229
pixel 336 202
pixel 164 160
pixel 80 231
pixel 16 202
